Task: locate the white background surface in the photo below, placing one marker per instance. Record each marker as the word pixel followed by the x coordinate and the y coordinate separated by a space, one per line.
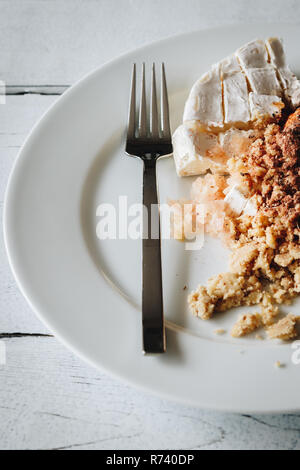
pixel 49 398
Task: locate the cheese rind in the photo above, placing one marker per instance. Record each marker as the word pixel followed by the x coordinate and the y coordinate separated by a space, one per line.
pixel 262 76
pixel 229 66
pixel 264 81
pixel 276 52
pixel 264 106
pixel 205 100
pixel 291 85
pixel 194 150
pixel 253 55
pixel 289 81
pixel 235 92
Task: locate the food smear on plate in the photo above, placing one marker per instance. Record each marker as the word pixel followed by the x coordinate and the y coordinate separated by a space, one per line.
pixel 241 132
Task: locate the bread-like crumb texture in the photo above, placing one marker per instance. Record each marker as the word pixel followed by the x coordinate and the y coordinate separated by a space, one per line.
pixel 265 246
pixel 200 303
pixel 242 258
pixel 246 324
pixel 269 311
pixel 220 331
pixel 284 329
pixel 224 291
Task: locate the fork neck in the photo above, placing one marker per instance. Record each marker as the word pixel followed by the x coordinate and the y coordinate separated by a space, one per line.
pixel 150 160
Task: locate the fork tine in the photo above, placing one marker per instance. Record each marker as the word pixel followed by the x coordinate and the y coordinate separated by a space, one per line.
pixel 153 111
pixel 165 121
pixel 132 108
pixel 143 111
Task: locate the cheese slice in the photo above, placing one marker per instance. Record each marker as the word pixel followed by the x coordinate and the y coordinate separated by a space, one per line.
pixel 263 106
pixel 276 53
pixel 238 203
pixel 235 92
pixel 292 87
pixel 264 81
pixel 194 151
pixel 253 55
pixel 289 81
pixel 236 200
pixel 205 100
pixel 261 74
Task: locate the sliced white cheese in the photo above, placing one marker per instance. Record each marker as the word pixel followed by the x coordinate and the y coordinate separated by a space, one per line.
pixel 264 81
pixel 235 92
pixel 262 76
pixel 238 203
pixel 230 65
pixel 205 100
pixel 289 81
pixel 264 106
pixel 292 87
pixel 236 200
pixel 276 52
pixel 194 150
pixel 250 208
pixel 253 55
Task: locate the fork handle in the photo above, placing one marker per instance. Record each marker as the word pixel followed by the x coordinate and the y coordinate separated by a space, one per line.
pixel 152 298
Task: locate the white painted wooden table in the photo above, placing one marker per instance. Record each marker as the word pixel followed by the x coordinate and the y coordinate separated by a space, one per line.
pixel 49 399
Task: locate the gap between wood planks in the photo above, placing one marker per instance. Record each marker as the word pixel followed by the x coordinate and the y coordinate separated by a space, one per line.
pixel 50 90
pixel 24 335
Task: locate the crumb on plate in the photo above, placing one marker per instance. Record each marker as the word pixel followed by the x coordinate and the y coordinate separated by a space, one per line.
pixel 284 329
pixel 279 365
pixel 220 331
pixel 246 324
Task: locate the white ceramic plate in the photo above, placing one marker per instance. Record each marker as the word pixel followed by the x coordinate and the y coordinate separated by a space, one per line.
pixel 88 291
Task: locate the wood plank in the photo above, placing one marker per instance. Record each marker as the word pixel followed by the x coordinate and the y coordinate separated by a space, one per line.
pixel 17 117
pixel 50 399
pixel 56 42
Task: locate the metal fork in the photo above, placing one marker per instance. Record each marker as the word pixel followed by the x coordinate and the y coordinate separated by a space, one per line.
pixel 149 144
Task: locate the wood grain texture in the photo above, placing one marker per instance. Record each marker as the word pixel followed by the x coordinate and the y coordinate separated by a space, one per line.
pixel 17 117
pixel 56 42
pixel 49 399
